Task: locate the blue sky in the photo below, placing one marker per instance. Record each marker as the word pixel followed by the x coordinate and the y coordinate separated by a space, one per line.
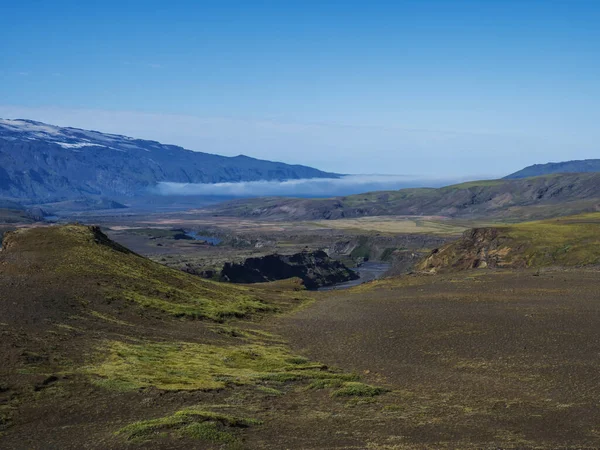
pixel 425 88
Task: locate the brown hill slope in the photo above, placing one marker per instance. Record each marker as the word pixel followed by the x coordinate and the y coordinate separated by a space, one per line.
pixel 103 349
pixel 74 264
pixel 502 360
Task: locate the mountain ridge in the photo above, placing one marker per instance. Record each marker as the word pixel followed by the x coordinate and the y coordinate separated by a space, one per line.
pixel 573 166
pixel 504 199
pixel 41 163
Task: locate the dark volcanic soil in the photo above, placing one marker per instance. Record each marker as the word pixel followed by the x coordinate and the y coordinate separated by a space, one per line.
pixel 476 359
pixel 486 360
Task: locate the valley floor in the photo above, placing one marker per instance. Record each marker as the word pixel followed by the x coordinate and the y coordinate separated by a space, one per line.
pixel 471 360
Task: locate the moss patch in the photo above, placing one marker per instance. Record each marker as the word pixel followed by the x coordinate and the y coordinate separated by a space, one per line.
pixel 269 392
pixel 191 366
pixel 357 389
pixel 190 423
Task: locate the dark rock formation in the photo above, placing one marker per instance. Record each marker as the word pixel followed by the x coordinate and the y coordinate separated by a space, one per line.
pixel 316 269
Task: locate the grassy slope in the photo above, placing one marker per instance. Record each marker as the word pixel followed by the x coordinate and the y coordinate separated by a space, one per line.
pixel 568 241
pixel 510 200
pixel 496 360
pixel 87 323
pixel 83 263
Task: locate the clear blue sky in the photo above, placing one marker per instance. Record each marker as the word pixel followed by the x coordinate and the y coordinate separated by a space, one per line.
pixel 435 88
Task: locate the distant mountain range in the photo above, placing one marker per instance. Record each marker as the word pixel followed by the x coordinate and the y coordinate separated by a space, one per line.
pixel 42 163
pixel 577 166
pixel 73 170
pixel 508 199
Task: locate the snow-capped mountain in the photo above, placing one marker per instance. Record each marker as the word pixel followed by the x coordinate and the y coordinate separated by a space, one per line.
pixel 46 163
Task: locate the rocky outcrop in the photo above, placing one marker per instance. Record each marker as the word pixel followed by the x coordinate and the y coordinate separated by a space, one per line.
pixel 316 269
pixel 478 248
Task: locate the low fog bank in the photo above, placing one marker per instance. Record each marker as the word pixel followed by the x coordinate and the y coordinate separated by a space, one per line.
pixel 313 187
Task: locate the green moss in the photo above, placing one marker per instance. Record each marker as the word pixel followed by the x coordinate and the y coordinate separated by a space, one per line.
pixel 270 392
pixel 357 389
pixel 296 375
pixel 571 241
pixel 207 431
pixel 190 366
pixel 191 423
pixel 182 304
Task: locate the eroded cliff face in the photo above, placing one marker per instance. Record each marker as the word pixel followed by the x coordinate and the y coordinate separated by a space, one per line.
pixel 316 269
pixel 478 248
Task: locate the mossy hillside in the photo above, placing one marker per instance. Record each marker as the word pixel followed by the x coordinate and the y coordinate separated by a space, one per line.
pixel 85 261
pixel 568 242
pixel 506 200
pixel 572 241
pixel 123 355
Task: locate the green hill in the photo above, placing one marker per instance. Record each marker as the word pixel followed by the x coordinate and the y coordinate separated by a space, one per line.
pixel 566 242
pixel 104 349
pixel 74 261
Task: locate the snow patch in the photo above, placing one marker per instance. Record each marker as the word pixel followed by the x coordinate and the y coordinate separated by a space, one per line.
pixel 71 138
pixel 31 127
pixel 77 145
